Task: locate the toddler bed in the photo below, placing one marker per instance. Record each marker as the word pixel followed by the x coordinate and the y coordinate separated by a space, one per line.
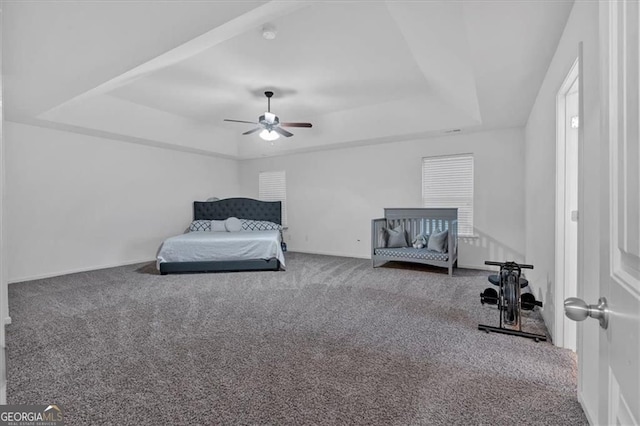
pixel 393 237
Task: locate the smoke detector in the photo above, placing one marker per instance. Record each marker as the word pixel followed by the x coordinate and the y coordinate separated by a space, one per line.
pixel 269 32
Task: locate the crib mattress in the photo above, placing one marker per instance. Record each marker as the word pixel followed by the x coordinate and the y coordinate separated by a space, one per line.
pixel 412 253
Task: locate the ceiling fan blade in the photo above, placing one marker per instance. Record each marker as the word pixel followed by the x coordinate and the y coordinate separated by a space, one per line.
pixel 252 131
pixel 283 132
pixel 240 121
pixel 296 124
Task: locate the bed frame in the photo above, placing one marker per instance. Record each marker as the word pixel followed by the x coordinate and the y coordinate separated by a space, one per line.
pixel 243 208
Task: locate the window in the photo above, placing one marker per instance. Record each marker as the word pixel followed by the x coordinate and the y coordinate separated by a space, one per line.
pixel 273 187
pixel 448 182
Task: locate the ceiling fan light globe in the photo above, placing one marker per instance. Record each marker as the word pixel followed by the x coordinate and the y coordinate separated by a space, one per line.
pixel 269 135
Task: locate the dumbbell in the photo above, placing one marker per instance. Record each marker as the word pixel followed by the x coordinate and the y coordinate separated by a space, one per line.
pixel 528 302
pixel 489 296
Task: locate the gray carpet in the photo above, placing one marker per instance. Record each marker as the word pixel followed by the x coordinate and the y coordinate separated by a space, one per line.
pixel 329 341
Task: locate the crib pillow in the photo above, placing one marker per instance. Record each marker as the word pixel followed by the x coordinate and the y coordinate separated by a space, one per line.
pixel 396 237
pixel 438 241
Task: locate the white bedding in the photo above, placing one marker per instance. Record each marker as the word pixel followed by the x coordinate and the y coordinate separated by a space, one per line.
pixel 202 246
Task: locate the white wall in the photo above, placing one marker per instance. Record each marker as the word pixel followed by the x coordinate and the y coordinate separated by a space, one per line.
pixel 333 195
pixel 540 154
pixel 76 202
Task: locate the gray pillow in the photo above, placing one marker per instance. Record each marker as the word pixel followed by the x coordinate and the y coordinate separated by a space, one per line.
pixel 396 237
pixel 438 241
pixel 218 226
pixel 233 224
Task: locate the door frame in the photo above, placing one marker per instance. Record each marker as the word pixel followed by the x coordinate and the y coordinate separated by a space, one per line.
pixel 575 72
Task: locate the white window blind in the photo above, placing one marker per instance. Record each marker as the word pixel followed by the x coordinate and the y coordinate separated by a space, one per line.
pixel 273 187
pixel 448 182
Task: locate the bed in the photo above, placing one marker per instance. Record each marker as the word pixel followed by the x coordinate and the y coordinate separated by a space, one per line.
pixel 246 250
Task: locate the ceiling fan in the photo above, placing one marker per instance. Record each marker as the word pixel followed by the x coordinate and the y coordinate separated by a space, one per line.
pixel 270 124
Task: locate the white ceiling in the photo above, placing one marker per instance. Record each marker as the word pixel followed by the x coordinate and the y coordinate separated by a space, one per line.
pixel 168 73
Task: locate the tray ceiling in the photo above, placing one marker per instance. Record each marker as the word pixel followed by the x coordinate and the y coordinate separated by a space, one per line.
pixel 361 72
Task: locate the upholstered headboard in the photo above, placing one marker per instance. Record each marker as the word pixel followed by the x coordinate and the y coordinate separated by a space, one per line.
pixel 242 208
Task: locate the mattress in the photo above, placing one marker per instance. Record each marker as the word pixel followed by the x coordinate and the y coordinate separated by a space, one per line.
pixel 412 253
pixel 206 246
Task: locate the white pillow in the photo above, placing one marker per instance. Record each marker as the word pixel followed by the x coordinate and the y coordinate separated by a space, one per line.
pixel 218 226
pixel 233 224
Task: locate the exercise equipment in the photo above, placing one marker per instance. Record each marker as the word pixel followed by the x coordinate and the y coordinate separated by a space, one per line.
pixel 509 300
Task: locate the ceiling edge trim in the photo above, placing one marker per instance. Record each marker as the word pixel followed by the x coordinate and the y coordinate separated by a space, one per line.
pixel 378 141
pixel 344 145
pixel 118 137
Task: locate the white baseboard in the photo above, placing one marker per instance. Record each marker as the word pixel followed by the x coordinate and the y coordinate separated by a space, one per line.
pixel 478 267
pixel 587 413
pixel 76 270
pixel 358 256
pixel 327 253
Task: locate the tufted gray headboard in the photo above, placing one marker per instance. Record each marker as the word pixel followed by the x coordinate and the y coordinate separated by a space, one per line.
pixel 242 208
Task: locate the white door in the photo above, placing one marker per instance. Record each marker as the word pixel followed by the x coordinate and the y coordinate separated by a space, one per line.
pixel 609 371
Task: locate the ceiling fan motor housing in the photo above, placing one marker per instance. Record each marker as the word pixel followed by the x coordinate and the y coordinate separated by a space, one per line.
pixel 263 120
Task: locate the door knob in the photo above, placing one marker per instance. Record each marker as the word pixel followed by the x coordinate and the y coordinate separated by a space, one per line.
pixel 577 310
